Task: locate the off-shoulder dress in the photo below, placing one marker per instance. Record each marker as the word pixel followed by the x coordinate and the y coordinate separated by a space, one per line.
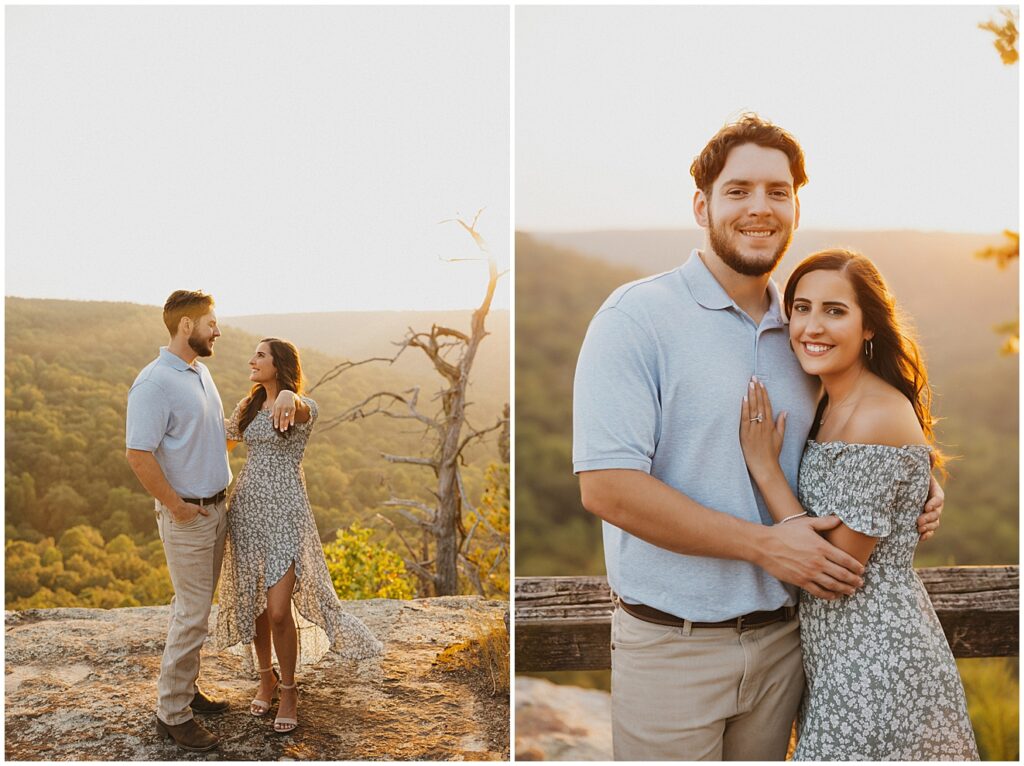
pixel 881 680
pixel 270 526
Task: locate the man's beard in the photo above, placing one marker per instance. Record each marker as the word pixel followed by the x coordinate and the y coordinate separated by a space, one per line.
pixel 735 260
pixel 202 348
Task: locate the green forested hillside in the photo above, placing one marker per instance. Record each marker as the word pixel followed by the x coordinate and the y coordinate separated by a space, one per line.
pixel 69 366
pixel 558 291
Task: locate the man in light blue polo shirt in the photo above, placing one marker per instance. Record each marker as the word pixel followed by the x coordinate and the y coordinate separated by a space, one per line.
pixel 177 448
pixel 705 641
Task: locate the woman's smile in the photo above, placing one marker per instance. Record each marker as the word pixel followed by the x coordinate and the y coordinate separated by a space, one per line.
pixel 816 349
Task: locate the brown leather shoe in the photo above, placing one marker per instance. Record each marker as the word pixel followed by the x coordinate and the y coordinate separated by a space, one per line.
pixel 203 704
pixel 188 736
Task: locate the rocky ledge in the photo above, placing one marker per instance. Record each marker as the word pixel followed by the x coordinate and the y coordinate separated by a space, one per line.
pixel 561 723
pixel 81 685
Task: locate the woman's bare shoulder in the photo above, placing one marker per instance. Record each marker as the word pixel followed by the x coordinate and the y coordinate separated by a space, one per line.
pixel 884 416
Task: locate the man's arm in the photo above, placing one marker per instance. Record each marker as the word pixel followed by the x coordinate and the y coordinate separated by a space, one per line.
pixel 152 478
pixel 794 552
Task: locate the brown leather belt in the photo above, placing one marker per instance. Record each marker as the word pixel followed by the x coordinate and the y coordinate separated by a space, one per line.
pixel 741 623
pixel 206 500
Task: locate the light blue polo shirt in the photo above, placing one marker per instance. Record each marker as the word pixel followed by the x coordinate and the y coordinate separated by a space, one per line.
pixel 175 412
pixel 659 383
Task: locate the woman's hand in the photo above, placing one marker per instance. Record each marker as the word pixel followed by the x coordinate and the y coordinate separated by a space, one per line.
pixel 760 435
pixel 289 409
pixel 285 408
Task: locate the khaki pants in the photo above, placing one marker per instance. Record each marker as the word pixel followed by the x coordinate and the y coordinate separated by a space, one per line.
pixel 194 552
pixel 703 694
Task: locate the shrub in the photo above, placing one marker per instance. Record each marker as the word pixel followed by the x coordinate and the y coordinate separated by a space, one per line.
pixel 362 569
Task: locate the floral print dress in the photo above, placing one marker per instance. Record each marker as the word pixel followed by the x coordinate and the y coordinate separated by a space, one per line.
pixel 271 526
pixel 881 680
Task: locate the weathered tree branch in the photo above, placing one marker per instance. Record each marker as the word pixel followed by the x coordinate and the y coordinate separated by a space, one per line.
pixel 478 435
pixel 345 366
pixel 472 571
pixel 429 345
pixel 472 509
pixel 398 532
pixel 420 570
pixel 409 516
pixel 398 502
pixel 412 563
pixel 409 459
pixel 383 401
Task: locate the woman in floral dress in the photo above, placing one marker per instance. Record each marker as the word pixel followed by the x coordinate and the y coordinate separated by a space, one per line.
pixel 881 680
pixel 273 558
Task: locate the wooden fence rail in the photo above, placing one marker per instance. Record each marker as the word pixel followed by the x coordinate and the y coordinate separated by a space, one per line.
pixel 564 623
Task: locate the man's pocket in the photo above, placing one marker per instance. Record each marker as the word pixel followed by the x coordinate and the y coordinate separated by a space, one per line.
pixel 164 514
pixel 629 632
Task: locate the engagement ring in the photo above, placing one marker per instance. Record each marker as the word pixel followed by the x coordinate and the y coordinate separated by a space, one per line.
pixel 758 419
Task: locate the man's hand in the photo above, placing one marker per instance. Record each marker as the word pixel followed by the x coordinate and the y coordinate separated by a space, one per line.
pixel 931 516
pixel 183 512
pixel 797 554
pixel 285 407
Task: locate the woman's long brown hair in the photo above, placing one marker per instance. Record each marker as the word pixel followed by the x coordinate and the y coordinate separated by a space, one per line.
pixel 289 377
pixel 896 356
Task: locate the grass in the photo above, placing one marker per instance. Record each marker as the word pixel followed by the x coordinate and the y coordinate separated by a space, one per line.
pixel 486 653
pixel 993 701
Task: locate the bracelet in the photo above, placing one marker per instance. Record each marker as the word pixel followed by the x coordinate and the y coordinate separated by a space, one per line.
pixel 794 516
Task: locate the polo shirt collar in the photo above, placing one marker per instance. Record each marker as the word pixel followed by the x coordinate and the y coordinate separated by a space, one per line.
pixel 775 316
pixel 711 295
pixel 175 361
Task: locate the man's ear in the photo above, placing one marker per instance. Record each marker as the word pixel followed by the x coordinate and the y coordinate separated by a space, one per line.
pixel 185 325
pixel 700 209
pixel 796 214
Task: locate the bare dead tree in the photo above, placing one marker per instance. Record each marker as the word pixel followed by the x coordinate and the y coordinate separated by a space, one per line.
pixel 452 353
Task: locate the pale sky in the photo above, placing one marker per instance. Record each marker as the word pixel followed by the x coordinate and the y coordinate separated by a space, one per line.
pixel 907 116
pixel 283 159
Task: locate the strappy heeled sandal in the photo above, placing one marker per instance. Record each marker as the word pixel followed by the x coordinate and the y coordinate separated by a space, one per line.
pixel 258 707
pixel 290 723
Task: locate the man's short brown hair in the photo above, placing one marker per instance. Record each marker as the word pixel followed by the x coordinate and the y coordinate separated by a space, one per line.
pixel 185 303
pixel 748 129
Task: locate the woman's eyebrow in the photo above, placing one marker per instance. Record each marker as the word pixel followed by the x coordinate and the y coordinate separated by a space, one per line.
pixel 799 299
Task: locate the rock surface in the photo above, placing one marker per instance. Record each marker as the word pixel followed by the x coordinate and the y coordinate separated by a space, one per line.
pixel 562 723
pixel 81 685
